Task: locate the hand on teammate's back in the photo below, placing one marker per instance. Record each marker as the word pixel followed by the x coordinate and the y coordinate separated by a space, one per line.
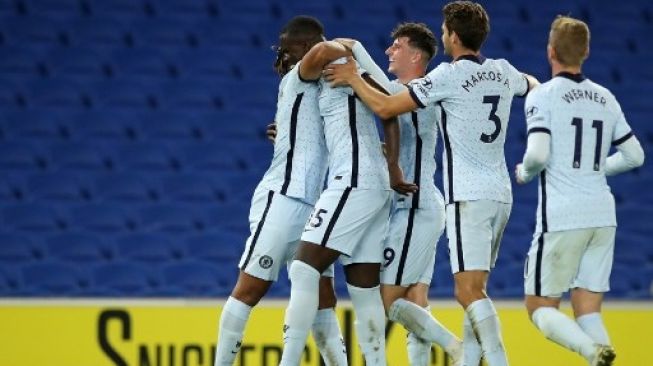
pixel 341 74
pixel 271 131
pixel 397 181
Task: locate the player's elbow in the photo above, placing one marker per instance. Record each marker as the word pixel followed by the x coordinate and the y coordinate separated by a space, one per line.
pixel 385 112
pixel 638 159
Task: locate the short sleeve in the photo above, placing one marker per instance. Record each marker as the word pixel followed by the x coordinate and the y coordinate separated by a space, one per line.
pixel 432 88
pixel 622 130
pixel 518 81
pixel 538 115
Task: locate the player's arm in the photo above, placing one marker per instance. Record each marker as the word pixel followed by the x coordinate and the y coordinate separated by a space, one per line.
pixel 536 157
pixel 319 56
pixel 385 106
pixel 629 155
pixel 538 149
pixel 365 61
pixel 532 82
pixel 391 146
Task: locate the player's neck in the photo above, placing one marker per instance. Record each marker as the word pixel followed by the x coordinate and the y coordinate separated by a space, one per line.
pixel 557 68
pixel 412 74
pixel 456 53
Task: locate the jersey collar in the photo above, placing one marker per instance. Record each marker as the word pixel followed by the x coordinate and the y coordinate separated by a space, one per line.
pixel 573 77
pixel 478 59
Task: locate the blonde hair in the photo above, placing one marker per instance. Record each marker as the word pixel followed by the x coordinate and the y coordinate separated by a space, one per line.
pixel 570 38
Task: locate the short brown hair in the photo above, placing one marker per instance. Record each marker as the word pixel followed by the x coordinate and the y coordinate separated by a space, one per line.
pixel 419 36
pixel 470 22
pixel 570 38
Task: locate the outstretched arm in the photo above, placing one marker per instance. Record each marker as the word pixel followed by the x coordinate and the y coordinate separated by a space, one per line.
pixel 385 106
pixel 319 56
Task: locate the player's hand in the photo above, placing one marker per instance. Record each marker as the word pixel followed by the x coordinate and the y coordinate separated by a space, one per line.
pixel 518 169
pixel 271 131
pixel 340 74
pixel 347 42
pixel 398 183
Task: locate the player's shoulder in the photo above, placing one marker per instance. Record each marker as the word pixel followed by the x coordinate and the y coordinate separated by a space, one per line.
pixel 602 89
pixel 501 63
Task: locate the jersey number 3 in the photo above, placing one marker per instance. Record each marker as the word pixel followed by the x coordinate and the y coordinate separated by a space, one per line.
pixel 494 100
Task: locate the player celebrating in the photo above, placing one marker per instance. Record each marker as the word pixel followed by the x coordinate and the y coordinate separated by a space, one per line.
pixel 416 222
pixel 572 122
pixel 350 217
pixel 283 201
pixel 475 94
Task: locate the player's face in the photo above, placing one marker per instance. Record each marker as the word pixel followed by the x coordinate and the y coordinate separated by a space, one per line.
pixel 400 55
pixel 289 52
pixel 446 39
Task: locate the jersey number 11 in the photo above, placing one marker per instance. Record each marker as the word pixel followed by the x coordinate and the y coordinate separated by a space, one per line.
pixel 598 125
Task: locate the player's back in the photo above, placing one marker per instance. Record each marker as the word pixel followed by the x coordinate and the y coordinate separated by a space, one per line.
pixel 475 94
pixel 299 162
pixel 355 155
pixel 584 120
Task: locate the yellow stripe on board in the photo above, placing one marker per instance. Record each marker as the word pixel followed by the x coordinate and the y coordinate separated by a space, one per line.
pixel 177 333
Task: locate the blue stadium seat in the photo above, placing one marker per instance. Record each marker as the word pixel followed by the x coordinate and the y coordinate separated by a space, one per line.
pixel 82 64
pixel 147 157
pixel 171 218
pixel 128 278
pixel 83 247
pixel 206 63
pixel 108 124
pixel 507 281
pixel 141 64
pixel 230 124
pixel 175 126
pixel 167 33
pixel 121 9
pixel 193 10
pixel 101 32
pixel 19 248
pixel 195 96
pixel 216 247
pixel 11 189
pixel 55 9
pixel 80 156
pixel 210 157
pixel 19 64
pixel 442 283
pixel 42 125
pixel 33 217
pixel 54 278
pixel 103 218
pixel 198 279
pixel 149 247
pixel 127 187
pixel 58 93
pixel 59 186
pixel 12 95
pixel 126 94
pixel 22 155
pixel 34 32
pixel 194 187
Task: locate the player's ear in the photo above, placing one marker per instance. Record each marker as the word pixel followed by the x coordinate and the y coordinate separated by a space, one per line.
pixel 551 53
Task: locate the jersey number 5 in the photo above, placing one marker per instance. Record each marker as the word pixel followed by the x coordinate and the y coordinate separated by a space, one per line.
pixel 494 100
pixel 578 144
